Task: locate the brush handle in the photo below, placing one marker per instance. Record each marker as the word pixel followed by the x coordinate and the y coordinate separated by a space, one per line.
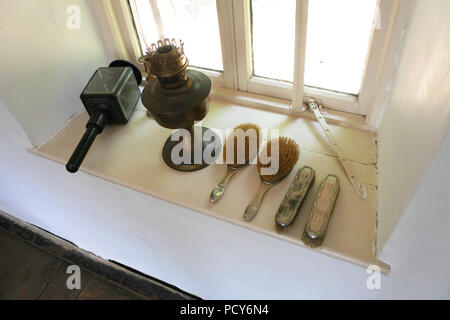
pixel 219 190
pixel 252 208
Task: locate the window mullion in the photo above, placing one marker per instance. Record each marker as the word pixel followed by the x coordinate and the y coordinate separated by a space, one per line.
pixel 242 35
pixel 227 41
pixel 301 24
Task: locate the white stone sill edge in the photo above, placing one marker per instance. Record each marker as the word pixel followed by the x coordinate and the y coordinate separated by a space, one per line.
pixel 384 267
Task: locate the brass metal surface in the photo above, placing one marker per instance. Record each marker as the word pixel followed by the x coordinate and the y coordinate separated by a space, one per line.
pixel 181 108
pixel 194 163
pixel 176 98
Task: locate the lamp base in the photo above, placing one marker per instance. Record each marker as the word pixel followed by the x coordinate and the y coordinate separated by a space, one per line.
pixel 191 149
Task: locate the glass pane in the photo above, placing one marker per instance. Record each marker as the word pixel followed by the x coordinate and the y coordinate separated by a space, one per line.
pixel 337 43
pixel 195 22
pixel 273 24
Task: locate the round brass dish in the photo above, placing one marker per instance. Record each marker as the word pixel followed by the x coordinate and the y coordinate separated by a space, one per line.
pixel 196 159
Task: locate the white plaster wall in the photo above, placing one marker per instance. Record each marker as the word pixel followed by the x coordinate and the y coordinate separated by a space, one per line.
pixel 44 65
pixel 419 248
pixel 418 114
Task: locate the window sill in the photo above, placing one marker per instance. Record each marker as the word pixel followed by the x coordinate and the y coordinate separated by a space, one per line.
pixel 351 234
pixel 282 106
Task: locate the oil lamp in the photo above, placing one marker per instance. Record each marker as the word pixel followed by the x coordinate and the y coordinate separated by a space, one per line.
pixel 177 97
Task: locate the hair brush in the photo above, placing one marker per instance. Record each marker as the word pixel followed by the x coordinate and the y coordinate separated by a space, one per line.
pixel 240 157
pixel 287 154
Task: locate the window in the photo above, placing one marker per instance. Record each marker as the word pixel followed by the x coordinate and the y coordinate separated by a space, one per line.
pixel 336 51
pixel 195 22
pixel 273 37
pixel 325 49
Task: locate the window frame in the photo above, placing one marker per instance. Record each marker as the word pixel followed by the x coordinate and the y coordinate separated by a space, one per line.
pixel 234 21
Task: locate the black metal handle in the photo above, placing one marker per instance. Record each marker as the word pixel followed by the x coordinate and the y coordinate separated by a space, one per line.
pixel 93 128
pixel 82 149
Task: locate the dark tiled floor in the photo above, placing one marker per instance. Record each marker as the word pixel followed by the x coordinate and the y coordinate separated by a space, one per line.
pixel 32 266
pixel 27 272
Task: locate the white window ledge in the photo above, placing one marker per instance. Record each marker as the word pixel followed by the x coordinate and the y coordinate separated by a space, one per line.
pixel 131 156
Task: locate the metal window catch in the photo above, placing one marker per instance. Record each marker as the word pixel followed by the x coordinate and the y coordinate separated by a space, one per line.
pixel 315 106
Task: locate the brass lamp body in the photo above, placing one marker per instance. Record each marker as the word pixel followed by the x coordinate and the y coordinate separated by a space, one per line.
pixel 177 98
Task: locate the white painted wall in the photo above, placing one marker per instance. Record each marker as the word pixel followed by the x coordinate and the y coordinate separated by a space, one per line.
pixel 44 65
pixel 202 255
pixel 419 248
pixel 418 114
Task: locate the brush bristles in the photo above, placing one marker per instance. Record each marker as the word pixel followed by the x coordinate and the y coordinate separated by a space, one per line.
pixel 310 242
pixel 248 132
pixel 288 154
